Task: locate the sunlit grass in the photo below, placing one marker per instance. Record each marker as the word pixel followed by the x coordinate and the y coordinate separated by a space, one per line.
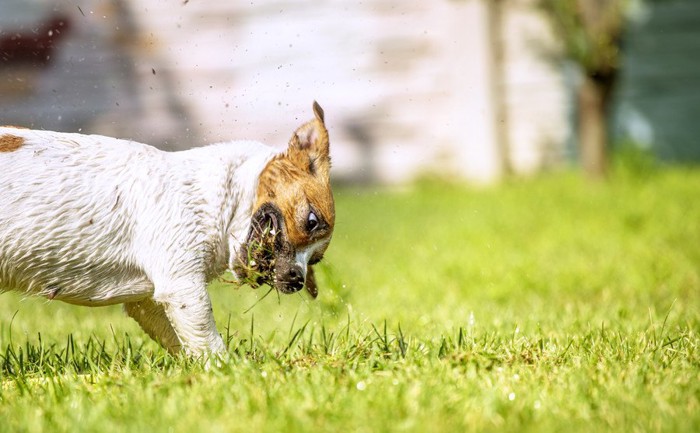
pixel 541 305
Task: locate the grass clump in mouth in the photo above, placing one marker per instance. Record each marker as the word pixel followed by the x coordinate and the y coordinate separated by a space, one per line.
pixel 255 264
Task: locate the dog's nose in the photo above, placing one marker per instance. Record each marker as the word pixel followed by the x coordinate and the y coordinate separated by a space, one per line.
pixel 295 279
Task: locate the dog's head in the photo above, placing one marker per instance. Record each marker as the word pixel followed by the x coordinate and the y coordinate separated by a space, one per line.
pixel 293 215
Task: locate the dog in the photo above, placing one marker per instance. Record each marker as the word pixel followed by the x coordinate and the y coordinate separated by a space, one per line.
pixel 93 220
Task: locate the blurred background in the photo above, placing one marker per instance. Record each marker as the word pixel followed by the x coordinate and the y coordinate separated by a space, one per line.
pixel 474 91
pixel 470 89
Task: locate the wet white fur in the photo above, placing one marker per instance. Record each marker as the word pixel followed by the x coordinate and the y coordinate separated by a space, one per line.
pixel 302 256
pixel 93 220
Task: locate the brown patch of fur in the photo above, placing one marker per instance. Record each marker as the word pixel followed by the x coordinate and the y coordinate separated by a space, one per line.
pixel 10 143
pixel 299 179
pixel 14 127
pixel 293 189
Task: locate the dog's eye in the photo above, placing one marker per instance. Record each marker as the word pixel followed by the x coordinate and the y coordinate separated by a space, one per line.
pixel 312 222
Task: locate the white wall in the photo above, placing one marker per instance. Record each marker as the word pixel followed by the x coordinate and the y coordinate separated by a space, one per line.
pixel 406 84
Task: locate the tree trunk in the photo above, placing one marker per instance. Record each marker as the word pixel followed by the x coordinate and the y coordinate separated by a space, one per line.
pixel 592 99
pixel 495 14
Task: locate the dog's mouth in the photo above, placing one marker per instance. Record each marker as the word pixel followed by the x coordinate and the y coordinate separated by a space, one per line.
pixel 267 257
pixel 255 263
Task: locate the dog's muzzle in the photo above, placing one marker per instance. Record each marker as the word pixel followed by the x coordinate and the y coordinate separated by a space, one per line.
pixel 267 257
pixel 292 281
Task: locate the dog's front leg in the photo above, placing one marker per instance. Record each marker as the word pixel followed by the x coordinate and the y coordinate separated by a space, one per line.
pixel 153 320
pixel 189 310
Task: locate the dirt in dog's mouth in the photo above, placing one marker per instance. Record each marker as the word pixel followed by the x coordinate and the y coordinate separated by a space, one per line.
pixel 256 261
pixel 267 256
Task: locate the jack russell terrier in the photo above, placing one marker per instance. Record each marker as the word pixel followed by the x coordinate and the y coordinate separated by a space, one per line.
pixel 93 220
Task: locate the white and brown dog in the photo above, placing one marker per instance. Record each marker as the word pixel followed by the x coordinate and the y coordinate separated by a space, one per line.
pixel 93 220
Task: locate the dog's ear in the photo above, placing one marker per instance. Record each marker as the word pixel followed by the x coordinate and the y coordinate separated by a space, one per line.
pixel 310 285
pixel 309 146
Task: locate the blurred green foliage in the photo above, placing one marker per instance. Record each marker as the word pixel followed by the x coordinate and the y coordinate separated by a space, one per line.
pixel 589 30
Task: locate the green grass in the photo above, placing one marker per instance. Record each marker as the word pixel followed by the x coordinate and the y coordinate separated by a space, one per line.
pixel 541 305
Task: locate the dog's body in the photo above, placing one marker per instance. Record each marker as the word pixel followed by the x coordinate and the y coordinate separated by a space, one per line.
pixel 93 220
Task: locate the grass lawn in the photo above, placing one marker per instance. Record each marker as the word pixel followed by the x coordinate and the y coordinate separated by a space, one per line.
pixel 542 305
